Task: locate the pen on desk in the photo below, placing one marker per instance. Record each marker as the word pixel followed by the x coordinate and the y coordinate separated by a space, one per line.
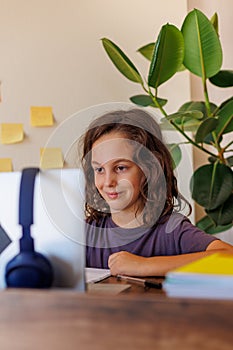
pixel 146 283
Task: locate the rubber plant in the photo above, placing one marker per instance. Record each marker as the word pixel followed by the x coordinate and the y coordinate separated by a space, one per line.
pixel 195 47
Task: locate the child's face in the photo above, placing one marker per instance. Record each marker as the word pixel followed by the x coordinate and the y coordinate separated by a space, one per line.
pixel 117 177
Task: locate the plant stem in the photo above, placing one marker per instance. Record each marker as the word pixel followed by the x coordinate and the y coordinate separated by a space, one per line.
pixel 154 98
pixel 156 102
pixel 207 102
pixel 215 137
pixel 219 149
pixel 191 141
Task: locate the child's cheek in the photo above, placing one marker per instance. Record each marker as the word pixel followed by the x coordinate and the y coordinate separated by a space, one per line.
pixel 97 181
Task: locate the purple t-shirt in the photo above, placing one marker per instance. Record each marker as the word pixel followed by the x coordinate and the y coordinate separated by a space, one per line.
pixel 175 236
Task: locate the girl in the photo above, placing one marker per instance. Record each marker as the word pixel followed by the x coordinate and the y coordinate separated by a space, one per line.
pixel 132 200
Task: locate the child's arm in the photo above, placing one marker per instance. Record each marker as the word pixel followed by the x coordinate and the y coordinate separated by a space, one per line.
pixel 124 263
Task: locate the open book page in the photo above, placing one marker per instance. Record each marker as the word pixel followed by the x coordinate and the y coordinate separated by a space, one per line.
pixel 95 275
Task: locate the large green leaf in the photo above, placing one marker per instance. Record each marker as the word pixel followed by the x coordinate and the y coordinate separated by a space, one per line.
pixel 176 153
pixel 225 117
pixel 190 125
pixel 180 117
pixel 224 78
pixel 197 106
pixel 167 56
pixel 121 61
pixel 225 102
pixel 223 215
pixel 207 224
pixel 205 128
pixel 188 121
pixel 211 185
pixel 203 52
pixel 147 50
pixel 146 100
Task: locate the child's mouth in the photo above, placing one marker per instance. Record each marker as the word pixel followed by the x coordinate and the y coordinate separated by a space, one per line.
pixel 113 195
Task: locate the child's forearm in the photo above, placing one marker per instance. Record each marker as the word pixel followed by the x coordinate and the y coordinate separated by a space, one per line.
pixel 160 265
pixel 134 265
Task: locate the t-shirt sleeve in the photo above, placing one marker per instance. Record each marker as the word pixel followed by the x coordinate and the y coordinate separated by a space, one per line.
pixel 190 239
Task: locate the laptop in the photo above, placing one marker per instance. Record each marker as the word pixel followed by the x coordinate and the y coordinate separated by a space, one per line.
pixel 58 228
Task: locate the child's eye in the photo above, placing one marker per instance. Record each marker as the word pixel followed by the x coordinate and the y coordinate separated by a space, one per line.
pixel 121 168
pixel 99 170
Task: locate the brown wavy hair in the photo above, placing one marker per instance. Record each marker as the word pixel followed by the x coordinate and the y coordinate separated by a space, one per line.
pixel 152 156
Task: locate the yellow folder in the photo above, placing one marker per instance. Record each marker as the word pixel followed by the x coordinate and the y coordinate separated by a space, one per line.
pixel 216 263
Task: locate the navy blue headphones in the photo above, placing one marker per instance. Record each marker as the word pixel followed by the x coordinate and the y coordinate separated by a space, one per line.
pixel 28 269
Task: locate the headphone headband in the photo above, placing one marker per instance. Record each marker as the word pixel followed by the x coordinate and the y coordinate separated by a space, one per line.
pixel 26 197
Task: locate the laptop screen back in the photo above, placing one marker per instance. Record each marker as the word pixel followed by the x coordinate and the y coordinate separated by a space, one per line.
pixel 58 228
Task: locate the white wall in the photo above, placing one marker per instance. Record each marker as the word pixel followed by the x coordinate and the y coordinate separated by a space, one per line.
pixel 51 55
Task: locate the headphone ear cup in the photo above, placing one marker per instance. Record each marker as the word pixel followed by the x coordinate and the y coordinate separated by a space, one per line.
pixel 29 270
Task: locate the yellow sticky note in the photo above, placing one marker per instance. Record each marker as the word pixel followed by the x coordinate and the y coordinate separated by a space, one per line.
pixel 51 158
pixel 11 133
pixel 5 164
pixel 41 116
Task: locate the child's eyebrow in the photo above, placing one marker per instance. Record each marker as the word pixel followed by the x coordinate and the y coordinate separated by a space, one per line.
pixel 122 160
pixel 117 160
pixel 95 162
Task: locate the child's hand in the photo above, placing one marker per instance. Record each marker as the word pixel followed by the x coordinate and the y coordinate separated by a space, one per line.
pixel 124 263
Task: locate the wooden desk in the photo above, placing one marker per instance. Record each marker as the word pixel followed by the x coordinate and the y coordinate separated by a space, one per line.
pixel 64 320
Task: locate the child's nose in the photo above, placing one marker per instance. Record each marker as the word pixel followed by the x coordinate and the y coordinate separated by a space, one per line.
pixel 110 179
